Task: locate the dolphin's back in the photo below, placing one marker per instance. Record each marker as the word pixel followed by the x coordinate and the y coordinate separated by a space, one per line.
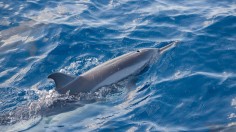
pixel 107 73
pixel 115 70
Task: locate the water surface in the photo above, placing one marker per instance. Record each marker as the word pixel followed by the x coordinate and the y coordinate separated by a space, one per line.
pixel 190 88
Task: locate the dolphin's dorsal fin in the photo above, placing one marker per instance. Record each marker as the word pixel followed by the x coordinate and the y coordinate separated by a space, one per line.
pixel 61 79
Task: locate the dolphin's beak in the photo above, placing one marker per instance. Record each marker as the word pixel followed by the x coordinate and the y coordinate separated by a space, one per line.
pixel 168 47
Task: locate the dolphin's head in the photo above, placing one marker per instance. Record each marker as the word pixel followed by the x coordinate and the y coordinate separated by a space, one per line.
pixel 157 51
pixel 153 53
pixel 149 52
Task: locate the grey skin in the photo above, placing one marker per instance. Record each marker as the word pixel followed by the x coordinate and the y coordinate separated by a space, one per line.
pixel 109 72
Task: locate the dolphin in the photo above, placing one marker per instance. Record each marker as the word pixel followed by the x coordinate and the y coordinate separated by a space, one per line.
pixel 109 72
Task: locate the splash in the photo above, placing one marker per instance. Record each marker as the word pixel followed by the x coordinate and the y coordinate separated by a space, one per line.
pixel 51 103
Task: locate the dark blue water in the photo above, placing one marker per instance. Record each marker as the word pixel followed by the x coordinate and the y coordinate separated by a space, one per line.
pixel 190 88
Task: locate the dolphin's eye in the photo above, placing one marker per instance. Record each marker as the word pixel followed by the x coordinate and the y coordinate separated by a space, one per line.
pixel 138 50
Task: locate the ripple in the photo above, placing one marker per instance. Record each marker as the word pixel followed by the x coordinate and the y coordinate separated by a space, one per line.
pixel 184 90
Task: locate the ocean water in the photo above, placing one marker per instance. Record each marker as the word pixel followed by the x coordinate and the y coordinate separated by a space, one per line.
pixel 191 87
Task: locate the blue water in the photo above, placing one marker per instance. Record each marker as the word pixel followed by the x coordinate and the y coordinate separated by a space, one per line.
pixel 190 88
